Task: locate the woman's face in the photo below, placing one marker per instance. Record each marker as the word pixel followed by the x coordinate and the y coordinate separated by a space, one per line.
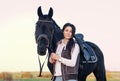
pixel 67 32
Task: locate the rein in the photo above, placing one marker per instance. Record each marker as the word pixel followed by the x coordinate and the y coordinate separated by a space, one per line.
pixel 41 65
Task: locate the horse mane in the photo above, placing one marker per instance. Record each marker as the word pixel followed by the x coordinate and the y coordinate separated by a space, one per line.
pixel 58 31
pixel 56 26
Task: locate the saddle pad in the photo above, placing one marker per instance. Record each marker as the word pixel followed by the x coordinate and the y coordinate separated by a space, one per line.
pixel 86 50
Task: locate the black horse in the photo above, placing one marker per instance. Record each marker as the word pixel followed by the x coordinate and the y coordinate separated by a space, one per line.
pixel 48 33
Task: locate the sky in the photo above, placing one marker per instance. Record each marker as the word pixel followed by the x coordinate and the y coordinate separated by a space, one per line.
pixel 98 20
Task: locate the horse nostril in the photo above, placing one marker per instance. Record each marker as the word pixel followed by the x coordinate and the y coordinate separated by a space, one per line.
pixel 42 49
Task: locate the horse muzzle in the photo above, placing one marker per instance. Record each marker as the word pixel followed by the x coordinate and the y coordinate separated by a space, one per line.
pixel 41 50
pixel 43 44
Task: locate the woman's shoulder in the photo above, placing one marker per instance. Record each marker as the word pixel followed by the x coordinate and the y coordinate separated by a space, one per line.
pixel 76 43
pixel 74 40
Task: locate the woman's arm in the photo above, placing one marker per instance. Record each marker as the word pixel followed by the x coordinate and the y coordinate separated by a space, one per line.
pixel 71 62
pixel 68 62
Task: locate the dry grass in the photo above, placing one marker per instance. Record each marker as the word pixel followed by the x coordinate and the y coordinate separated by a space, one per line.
pixel 46 75
pixel 6 76
pixel 24 75
pixel 19 75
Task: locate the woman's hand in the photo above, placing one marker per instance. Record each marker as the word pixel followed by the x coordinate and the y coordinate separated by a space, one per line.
pixel 51 60
pixel 55 56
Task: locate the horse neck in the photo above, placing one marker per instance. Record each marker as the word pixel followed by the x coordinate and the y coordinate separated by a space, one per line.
pixel 57 32
pixel 56 36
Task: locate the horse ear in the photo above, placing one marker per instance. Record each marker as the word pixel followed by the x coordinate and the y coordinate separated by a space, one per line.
pixel 50 14
pixel 39 12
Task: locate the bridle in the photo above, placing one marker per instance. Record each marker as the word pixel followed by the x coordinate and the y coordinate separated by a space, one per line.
pixel 45 36
pixel 48 45
pixel 46 21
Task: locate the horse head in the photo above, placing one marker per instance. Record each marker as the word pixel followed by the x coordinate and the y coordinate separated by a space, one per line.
pixel 47 32
pixel 44 31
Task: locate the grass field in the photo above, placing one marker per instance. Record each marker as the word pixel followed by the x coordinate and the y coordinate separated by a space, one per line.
pixel 32 76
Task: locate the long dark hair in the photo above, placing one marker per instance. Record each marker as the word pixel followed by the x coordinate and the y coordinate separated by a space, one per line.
pixel 71 40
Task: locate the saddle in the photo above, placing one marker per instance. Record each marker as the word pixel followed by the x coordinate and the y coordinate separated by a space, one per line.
pixel 87 52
